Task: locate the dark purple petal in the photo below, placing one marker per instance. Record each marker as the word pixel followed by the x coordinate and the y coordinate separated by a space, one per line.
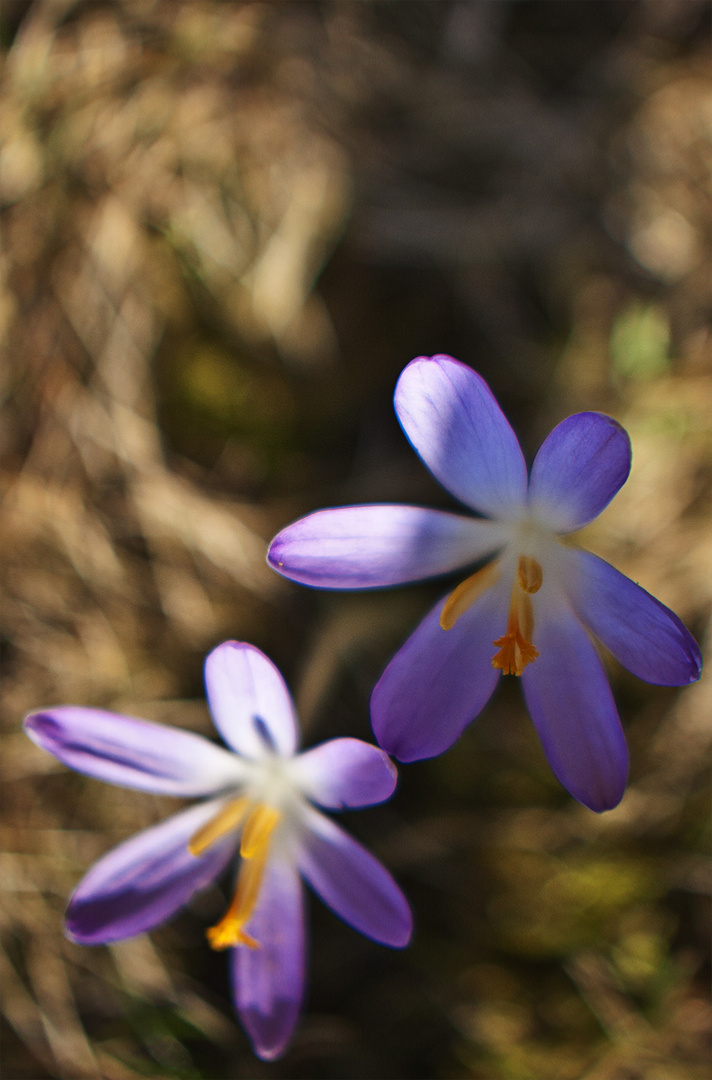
pixel 454 423
pixel 364 547
pixel 579 468
pixel 251 705
pixel 440 680
pixel 268 982
pixel 145 880
pixel 345 773
pixel 133 753
pixel 571 704
pixel 642 633
pixel 354 884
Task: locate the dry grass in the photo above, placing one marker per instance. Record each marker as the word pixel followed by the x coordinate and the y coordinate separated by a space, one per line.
pixel 178 383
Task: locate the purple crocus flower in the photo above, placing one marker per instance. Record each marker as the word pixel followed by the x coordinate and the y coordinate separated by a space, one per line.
pixel 529 610
pixel 261 802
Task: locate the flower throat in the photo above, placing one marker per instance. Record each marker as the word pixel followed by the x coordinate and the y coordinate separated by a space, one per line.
pixel 515 648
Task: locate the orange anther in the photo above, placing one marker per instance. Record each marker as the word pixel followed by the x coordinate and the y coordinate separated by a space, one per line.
pixel 515 649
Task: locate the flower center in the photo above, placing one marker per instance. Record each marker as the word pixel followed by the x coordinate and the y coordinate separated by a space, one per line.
pixel 254 849
pixel 515 646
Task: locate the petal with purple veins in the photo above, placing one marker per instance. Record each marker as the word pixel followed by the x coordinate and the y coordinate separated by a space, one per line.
pixel 439 680
pixel 345 773
pixel 646 637
pixel 456 426
pixel 251 705
pixel 580 466
pixel 133 753
pixel 571 704
pixel 366 547
pixel 145 880
pixel 353 883
pixel 268 982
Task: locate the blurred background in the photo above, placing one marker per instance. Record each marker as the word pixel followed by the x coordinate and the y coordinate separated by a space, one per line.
pixel 226 227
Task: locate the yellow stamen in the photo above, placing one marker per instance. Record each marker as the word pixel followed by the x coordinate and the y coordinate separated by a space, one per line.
pixel 515 646
pixel 257 831
pixel 464 596
pixel 254 850
pixel 227 819
pixel 530 574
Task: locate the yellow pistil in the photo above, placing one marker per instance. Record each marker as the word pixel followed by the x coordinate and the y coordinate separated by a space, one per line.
pixel 254 849
pixel 515 646
pixel 464 596
pixel 227 819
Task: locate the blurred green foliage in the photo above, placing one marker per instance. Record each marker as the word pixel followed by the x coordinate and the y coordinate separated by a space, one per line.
pixel 640 342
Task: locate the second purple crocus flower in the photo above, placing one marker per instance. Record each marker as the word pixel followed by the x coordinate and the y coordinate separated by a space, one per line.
pixel 529 610
pixel 261 803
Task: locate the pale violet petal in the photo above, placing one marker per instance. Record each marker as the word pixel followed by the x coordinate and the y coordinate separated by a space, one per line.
pixel 251 705
pixel 439 680
pixel 580 466
pixel 268 982
pixel 365 547
pixel 571 704
pixel 355 885
pixel 345 773
pixel 645 636
pixel 456 426
pixel 144 881
pixel 133 753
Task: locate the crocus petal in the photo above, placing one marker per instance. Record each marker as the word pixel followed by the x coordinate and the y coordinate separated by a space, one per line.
pixel 145 880
pixel 642 633
pixel 364 547
pixel 440 680
pixel 251 705
pixel 133 753
pixel 572 707
pixel 268 982
pixel 579 468
pixel 353 883
pixel 345 773
pixel 455 424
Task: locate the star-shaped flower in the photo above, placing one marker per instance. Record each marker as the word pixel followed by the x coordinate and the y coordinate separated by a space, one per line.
pixel 530 610
pixel 261 802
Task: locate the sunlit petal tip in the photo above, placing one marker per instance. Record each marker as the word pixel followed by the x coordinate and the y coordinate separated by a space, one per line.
pixel 695 660
pixel 373 546
pixel 345 773
pixel 354 884
pixel 249 700
pixel 398 741
pixel 455 424
pixel 145 880
pixel 278 551
pixel 264 1045
pixel 571 704
pixel 646 637
pixel 578 469
pixel 601 800
pixel 133 753
pixel 268 983
pixel 599 787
